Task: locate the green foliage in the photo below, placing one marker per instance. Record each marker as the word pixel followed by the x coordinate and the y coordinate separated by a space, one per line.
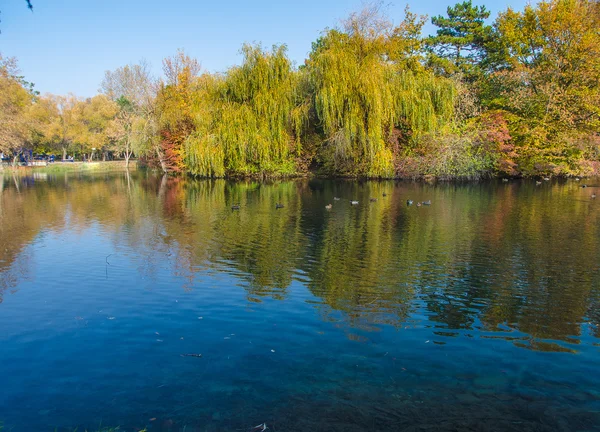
pixel 458 45
pixel 124 104
pixel 544 65
pixel 373 99
pixel 361 96
pixel 248 121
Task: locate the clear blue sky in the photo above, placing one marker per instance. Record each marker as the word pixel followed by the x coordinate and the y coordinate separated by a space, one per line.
pixel 66 45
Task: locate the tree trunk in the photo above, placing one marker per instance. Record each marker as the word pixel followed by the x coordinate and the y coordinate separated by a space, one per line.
pixel 1 188
pixel 64 149
pixel 162 190
pixel 128 182
pixel 161 159
pixel 16 182
pixel 15 160
pixel 103 156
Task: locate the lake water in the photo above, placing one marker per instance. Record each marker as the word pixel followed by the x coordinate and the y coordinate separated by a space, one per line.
pixel 479 312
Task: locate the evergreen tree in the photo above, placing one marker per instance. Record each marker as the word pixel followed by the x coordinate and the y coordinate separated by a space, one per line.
pixel 459 43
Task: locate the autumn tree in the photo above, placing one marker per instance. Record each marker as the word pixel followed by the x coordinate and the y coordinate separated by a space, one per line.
pixel 179 66
pixel 96 115
pixel 370 93
pixel 16 100
pixel 175 108
pixel 124 129
pixel 135 88
pixel 545 69
pixel 64 126
pixel 247 121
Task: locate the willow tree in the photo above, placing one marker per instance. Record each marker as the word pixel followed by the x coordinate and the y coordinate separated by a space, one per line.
pixel 249 120
pixel 369 89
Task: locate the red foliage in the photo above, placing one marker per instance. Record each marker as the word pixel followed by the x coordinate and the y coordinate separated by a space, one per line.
pixel 172 150
pixel 494 135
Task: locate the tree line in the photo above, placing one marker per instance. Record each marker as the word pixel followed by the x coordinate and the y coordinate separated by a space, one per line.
pixel 517 97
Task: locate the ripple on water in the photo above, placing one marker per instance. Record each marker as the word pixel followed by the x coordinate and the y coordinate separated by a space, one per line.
pixel 377 316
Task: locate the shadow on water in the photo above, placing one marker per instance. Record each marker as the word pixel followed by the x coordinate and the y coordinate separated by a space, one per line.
pixel 506 272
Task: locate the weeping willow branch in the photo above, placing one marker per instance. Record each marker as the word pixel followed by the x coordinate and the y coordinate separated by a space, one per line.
pixel 361 96
pixel 250 120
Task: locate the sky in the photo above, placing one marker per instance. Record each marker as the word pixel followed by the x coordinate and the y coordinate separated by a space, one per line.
pixel 67 45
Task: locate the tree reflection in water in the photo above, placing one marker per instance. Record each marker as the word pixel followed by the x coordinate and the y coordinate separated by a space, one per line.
pixel 505 260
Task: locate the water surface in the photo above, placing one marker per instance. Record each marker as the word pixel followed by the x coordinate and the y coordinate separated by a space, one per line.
pixel 479 312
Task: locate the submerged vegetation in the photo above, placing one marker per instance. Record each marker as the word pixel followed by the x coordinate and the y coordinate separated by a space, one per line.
pixel 519 97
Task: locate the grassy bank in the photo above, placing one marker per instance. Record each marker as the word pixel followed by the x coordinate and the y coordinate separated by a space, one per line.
pixel 61 167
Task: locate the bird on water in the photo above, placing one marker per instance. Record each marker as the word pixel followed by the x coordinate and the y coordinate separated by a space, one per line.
pixel 235 207
pixel 278 206
pixel 328 206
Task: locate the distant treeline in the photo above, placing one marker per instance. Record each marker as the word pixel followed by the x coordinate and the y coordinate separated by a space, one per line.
pixel 520 97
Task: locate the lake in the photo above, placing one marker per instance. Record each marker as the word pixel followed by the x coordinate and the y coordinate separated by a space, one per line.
pixel 478 312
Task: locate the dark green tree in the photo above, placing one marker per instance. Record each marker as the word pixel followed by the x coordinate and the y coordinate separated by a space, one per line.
pixel 459 43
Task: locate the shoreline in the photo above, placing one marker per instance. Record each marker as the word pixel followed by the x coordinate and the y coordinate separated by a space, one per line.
pixel 134 165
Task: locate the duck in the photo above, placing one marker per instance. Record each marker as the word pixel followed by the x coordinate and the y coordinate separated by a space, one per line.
pixel 428 202
pixel 537 183
pixel 577 179
pixel 384 194
pixel 409 202
pixel 354 202
pixel 419 204
pixel 373 199
pixel 505 180
pixel 584 186
pixel 278 206
pixel 336 198
pixel 593 196
pixel 235 207
pixel 546 178
pixel 328 206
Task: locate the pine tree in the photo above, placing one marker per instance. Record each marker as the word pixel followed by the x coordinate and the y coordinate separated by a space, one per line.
pixel 459 44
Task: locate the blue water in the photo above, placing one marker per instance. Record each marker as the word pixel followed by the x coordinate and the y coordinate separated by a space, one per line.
pixel 480 312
